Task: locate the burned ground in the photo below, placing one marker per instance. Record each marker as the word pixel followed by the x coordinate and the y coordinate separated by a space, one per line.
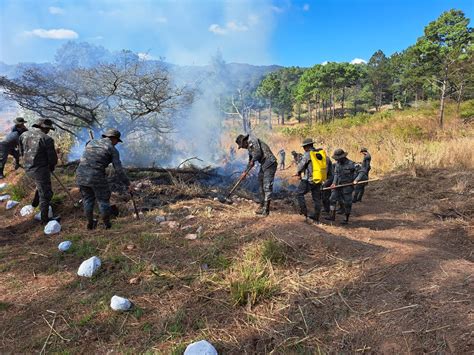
pixel 398 279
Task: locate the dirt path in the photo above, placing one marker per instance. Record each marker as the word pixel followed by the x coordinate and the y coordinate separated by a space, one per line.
pixel 393 281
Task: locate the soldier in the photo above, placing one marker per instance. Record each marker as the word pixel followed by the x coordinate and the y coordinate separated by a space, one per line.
pixel 296 157
pixel 9 145
pixel 91 177
pixel 40 159
pixel 281 155
pixel 260 152
pixel 362 175
pixel 344 171
pixel 314 174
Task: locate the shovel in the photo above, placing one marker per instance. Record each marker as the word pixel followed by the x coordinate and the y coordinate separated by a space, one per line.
pixel 76 204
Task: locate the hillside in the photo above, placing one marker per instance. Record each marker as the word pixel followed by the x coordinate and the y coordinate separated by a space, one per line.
pixel 398 279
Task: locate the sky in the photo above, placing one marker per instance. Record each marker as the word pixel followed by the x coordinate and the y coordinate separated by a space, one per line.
pixel 189 32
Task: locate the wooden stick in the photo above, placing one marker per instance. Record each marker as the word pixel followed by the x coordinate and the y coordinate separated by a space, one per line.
pixel 398 309
pixel 349 184
pixel 43 349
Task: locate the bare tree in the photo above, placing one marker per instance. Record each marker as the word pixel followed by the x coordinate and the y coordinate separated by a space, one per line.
pixel 118 94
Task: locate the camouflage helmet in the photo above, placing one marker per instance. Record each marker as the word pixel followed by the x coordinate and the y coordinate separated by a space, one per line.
pixel 339 154
pixel 364 150
pixel 112 133
pixel 240 139
pixel 19 121
pixel 307 141
pixel 44 123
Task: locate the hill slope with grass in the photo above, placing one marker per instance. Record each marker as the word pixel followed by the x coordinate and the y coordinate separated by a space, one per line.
pixel 398 279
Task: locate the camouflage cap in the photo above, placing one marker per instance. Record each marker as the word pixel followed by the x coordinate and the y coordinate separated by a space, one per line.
pixel 44 123
pixel 339 154
pixel 240 139
pixel 112 133
pixel 307 141
pixel 19 120
pixel 364 150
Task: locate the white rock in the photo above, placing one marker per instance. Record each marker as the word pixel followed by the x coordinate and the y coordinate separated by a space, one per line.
pixel 199 231
pixel 200 348
pixel 11 204
pixel 26 210
pixel 191 236
pixel 50 214
pixel 170 224
pixel 160 219
pixel 4 197
pixel 188 217
pixel 3 185
pixel 52 227
pixel 118 303
pixel 89 267
pixel 64 246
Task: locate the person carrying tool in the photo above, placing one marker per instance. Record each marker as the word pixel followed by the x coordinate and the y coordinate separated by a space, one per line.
pixel 40 159
pixel 363 174
pixel 9 145
pixel 260 152
pixel 344 173
pixel 91 177
pixel 315 167
pixel 281 156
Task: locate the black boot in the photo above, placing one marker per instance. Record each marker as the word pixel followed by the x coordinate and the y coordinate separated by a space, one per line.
pixel 346 220
pixel 316 218
pixel 1 174
pixel 91 222
pixel 332 216
pixel 44 215
pixel 106 219
pixel 36 199
pixel 265 211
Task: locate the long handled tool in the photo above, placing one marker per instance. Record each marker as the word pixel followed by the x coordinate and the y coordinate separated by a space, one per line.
pixel 349 184
pixel 75 203
pixel 135 209
pixel 237 184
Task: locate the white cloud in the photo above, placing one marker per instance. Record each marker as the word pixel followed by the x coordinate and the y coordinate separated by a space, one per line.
pixel 278 9
pixel 358 61
pixel 59 33
pixel 161 19
pixel 325 62
pixel 231 26
pixel 54 10
pixel 306 7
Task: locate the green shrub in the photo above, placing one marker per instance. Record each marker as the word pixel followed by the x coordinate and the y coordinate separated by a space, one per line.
pixel 17 192
pixel 409 132
pixel 274 251
pixel 467 110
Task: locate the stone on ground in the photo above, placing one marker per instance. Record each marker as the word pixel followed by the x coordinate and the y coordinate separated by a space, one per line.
pixel 3 185
pixel 89 267
pixel 64 246
pixel 27 210
pixel 10 204
pixel 160 219
pixel 4 197
pixel 200 348
pixel 118 303
pixel 52 227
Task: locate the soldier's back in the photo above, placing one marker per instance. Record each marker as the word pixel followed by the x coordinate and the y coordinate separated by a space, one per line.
pixel 34 149
pixel 96 158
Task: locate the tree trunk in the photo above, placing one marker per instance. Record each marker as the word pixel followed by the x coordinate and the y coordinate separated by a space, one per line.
pixel 442 100
pixel 283 117
pixel 342 101
pixel 332 107
pixel 259 115
pixel 310 120
pixel 299 112
pixel 458 106
pixel 270 114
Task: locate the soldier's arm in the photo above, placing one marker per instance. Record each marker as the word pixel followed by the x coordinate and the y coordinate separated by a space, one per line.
pixel 117 164
pixel 51 153
pixel 303 163
pixel 254 150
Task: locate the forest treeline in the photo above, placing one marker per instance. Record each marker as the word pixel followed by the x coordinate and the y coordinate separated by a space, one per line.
pixel 438 66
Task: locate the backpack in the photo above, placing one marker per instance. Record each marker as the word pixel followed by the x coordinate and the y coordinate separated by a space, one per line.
pixel 319 164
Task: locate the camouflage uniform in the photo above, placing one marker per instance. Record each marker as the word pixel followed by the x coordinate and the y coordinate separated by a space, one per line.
pixel 260 152
pixel 282 155
pixel 326 194
pixel 40 159
pixel 9 146
pixel 91 176
pixel 363 174
pixel 344 173
pixel 306 184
